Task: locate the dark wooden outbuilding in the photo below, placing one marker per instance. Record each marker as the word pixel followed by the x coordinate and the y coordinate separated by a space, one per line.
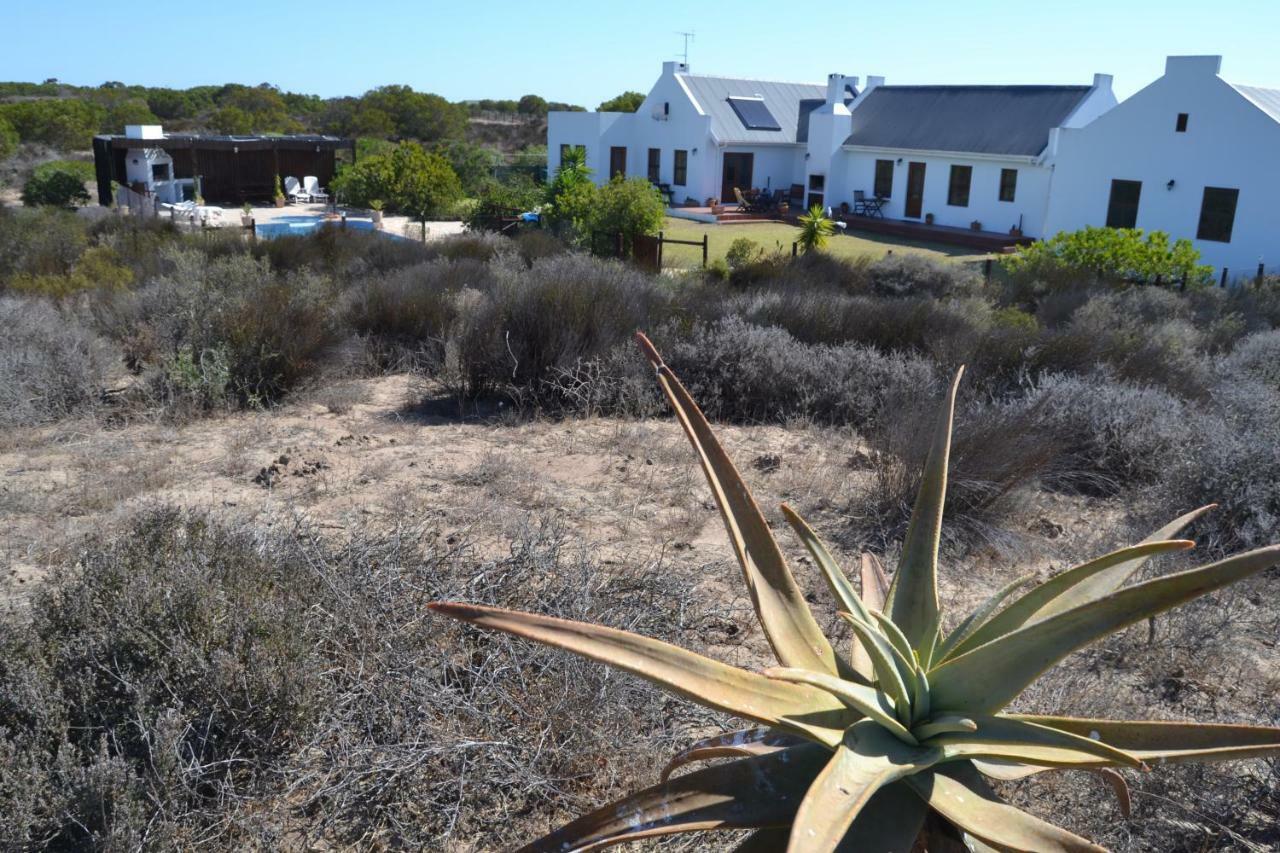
pixel 232 169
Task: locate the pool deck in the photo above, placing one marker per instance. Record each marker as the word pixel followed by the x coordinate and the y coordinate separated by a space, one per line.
pixel 265 214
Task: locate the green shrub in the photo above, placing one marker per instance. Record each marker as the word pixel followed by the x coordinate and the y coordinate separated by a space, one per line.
pixel 1094 254
pixel 60 184
pixel 8 138
pixel 743 251
pixel 65 124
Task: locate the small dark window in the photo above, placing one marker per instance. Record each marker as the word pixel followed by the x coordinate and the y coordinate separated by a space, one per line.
pixel 816 200
pixel 884 179
pixel 666 108
pixel 681 171
pixel 1008 184
pixel 1182 123
pixel 817 183
pixel 1122 208
pixel 566 148
pixel 617 161
pixel 655 164
pixel 958 192
pixel 1217 214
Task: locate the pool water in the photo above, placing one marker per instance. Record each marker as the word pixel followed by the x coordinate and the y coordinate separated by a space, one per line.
pixel 299 226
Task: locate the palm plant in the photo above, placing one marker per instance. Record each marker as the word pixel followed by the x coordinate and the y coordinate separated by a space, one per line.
pixel 863 748
pixel 815 228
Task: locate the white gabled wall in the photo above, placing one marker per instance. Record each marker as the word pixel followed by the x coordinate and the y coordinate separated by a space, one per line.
pixel 1229 142
pixel 668 120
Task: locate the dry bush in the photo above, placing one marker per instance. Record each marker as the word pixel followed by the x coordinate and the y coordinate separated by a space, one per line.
pixel 187 682
pixel 51 366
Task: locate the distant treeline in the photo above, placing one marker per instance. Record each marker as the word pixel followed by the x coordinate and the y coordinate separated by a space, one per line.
pixel 66 117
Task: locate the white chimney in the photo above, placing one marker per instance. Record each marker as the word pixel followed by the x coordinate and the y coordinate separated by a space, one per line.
pixel 671 68
pixel 872 82
pixel 1193 65
pixel 143 131
pixel 1102 82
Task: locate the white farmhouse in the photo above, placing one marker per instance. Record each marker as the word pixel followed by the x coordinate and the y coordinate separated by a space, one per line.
pixel 702 136
pixel 1191 155
pixel 964 156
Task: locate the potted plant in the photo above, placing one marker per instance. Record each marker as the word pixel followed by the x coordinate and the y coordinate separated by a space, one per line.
pixel 246 215
pixel 279 196
pixel 1015 231
pixel 375 204
pixel 928 219
pixel 975 225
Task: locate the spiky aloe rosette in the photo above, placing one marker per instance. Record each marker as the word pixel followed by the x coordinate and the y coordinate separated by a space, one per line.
pixel 856 750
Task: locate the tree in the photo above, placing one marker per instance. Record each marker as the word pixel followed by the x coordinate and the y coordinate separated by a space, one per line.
pixel 252 109
pixel 530 155
pixel 8 139
pixel 569 191
pixel 627 102
pixel 496 199
pixel 61 123
pixel 532 105
pixel 815 229
pixel 409 180
pixel 60 183
pixel 473 164
pixel 417 115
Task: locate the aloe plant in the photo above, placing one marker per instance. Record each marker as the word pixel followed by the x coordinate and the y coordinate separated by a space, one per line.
pixel 857 748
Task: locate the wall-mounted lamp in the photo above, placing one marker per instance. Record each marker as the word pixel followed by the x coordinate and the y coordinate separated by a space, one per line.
pixel 806 155
pixel 899 161
pixel 695 151
pixel 1169 186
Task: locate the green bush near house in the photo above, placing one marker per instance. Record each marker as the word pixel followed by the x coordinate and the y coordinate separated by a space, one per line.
pixel 59 183
pixel 409 180
pixel 1109 255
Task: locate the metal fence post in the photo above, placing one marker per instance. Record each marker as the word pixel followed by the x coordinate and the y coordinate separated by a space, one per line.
pixel 1224 277
pixel 1261 275
pixel 795 249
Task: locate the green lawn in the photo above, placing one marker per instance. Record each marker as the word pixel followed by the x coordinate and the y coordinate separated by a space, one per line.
pixel 770 234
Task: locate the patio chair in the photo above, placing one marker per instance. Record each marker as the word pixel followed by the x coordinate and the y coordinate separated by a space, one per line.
pixel 294 190
pixel 744 206
pixel 311 186
pixel 864 206
pixel 207 215
pixel 183 209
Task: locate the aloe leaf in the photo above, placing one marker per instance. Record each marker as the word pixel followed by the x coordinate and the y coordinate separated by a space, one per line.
pixel 979 616
pixel 739 744
pixel 988 677
pixel 959 795
pixel 942 725
pixel 839 585
pixel 1160 742
pixel 762 791
pixel 1010 772
pixel 812 713
pixel 1008 739
pixel 1044 599
pixel 1106 582
pixel 866 700
pixel 875 584
pixel 913 595
pixel 785 617
pixel 868 759
pixel 888 664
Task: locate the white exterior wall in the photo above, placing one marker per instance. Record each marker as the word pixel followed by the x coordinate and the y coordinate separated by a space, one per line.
pixel 1229 142
pixel 1029 204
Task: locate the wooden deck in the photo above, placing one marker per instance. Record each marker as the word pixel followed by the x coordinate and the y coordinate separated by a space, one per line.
pixel 729 215
pixel 909 229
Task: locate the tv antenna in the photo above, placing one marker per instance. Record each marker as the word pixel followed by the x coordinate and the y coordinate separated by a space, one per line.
pixel 688 37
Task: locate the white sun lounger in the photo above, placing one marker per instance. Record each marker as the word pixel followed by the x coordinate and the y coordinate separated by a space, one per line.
pixel 294 190
pixel 311 186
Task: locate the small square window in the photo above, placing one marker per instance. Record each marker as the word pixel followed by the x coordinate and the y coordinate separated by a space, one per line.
pixel 1182 123
pixel 817 183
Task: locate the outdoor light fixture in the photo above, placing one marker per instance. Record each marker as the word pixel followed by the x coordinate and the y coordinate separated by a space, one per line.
pixel 899 161
pixel 1169 186
pixel 695 151
pixel 235 149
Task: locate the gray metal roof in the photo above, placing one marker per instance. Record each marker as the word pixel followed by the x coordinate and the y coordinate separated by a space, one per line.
pixel 782 99
pixel 1267 100
pixel 1009 120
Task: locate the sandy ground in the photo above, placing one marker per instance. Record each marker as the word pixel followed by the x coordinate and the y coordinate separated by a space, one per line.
pixel 363 453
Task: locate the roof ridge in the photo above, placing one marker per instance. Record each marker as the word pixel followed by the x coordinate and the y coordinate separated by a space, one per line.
pixel 1062 86
pixel 752 79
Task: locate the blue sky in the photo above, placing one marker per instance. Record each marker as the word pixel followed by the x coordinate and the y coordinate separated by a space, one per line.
pixel 584 52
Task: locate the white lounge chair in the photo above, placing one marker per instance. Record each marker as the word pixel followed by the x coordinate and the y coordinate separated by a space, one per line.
pixel 311 186
pixel 183 209
pixel 294 190
pixel 208 215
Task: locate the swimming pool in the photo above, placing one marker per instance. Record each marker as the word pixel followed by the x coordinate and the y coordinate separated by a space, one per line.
pixel 299 226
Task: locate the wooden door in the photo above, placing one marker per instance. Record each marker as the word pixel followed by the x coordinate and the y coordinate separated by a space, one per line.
pixel 915 191
pixel 737 173
pixel 617 162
